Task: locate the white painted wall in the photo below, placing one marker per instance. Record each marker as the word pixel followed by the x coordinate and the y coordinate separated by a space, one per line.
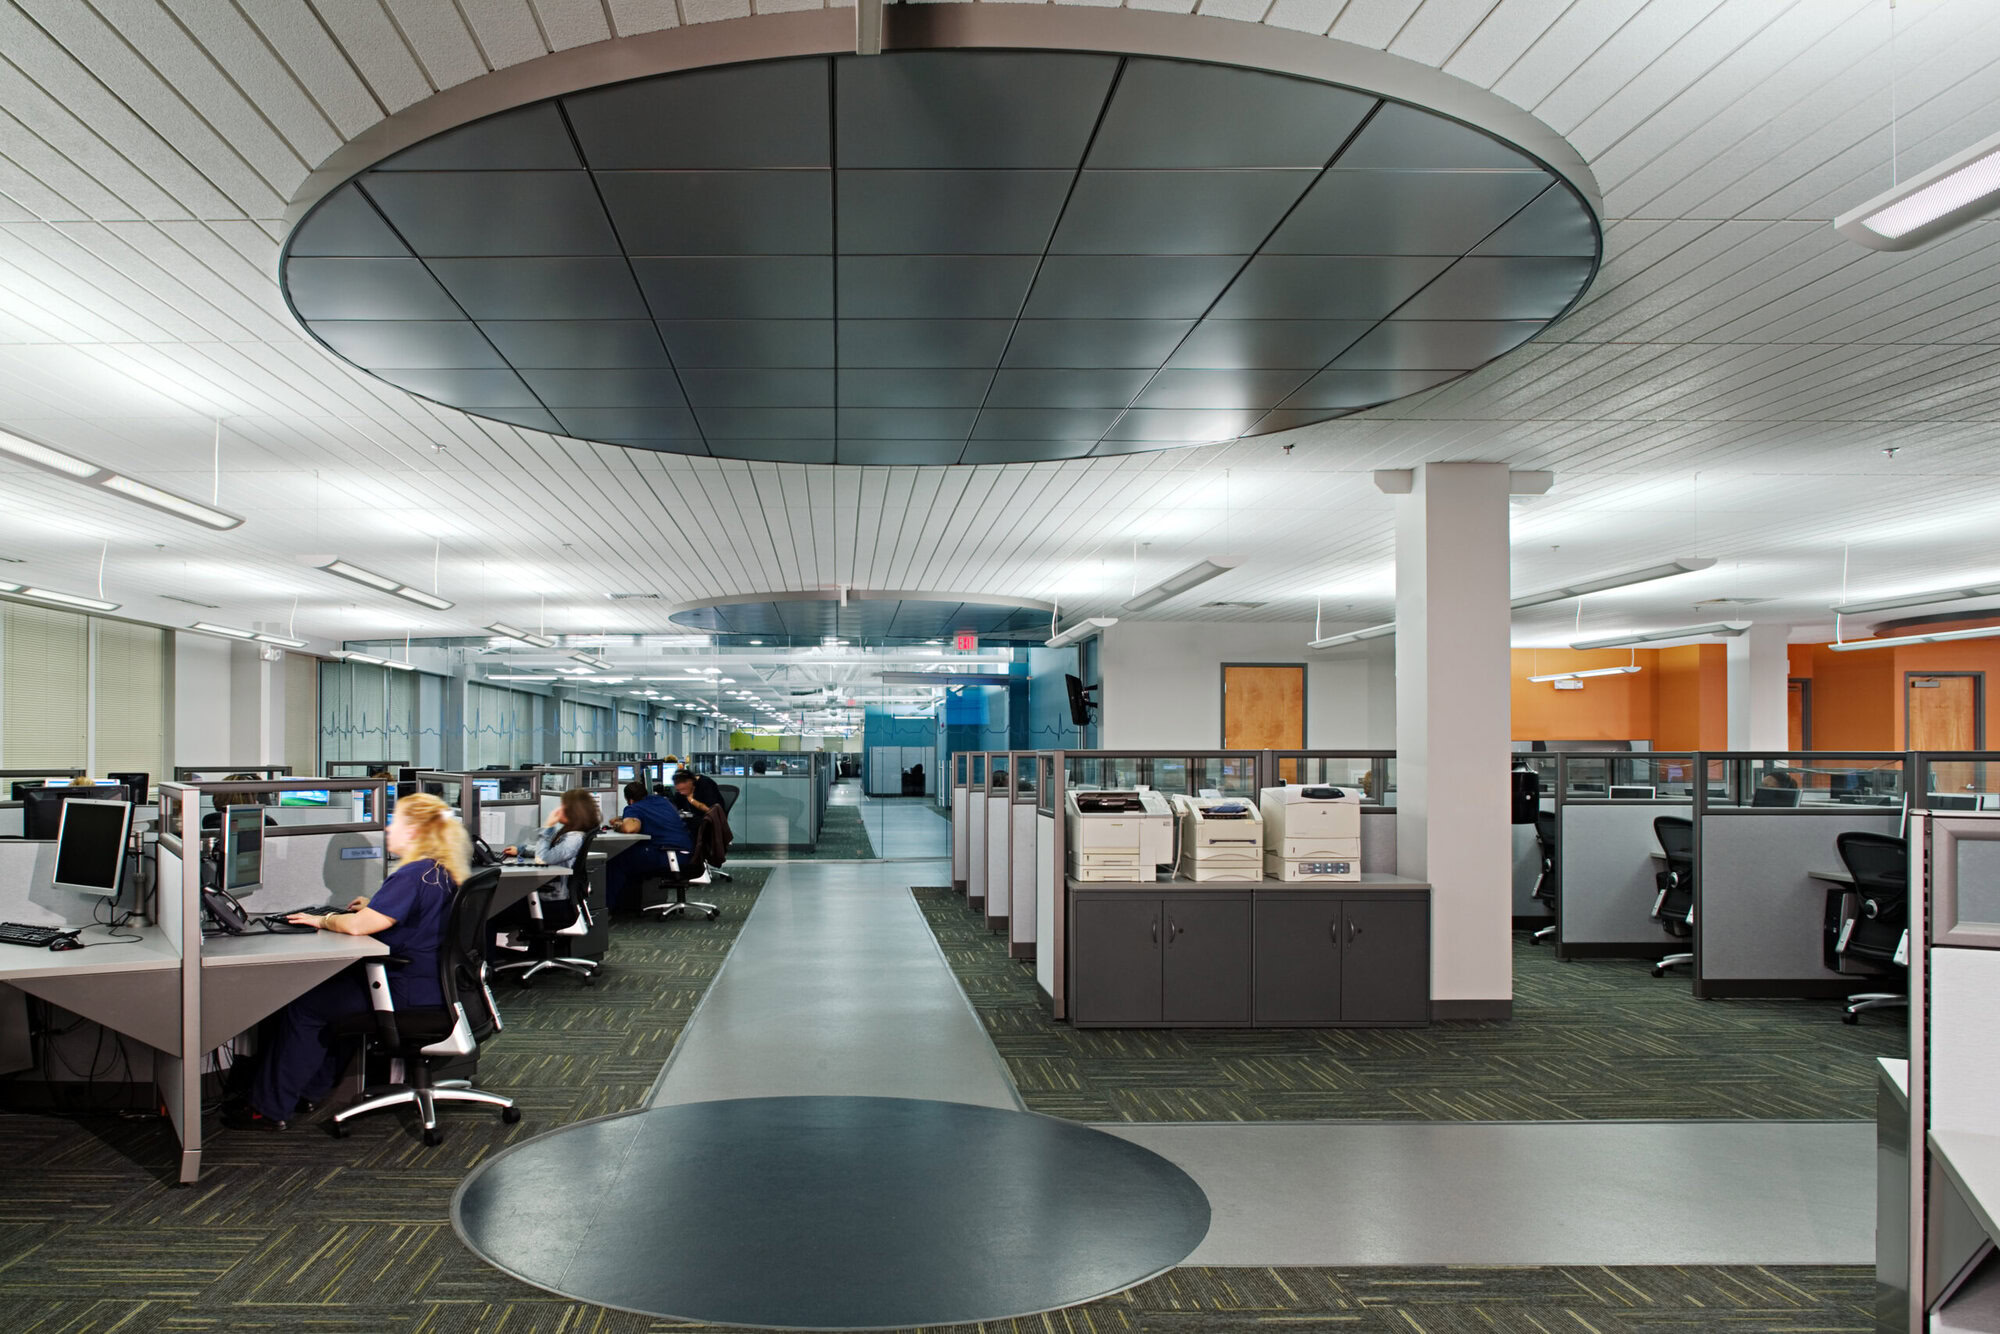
pixel 1163 683
pixel 201 701
pixel 1759 681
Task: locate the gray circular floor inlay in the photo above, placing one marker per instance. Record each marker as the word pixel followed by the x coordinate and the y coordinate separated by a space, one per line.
pixel 831 1213
pixel 948 257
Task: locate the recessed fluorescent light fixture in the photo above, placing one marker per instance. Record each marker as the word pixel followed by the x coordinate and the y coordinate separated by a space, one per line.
pixel 63 599
pixel 399 665
pixel 1726 629
pixel 1354 636
pixel 383 583
pixel 1174 585
pixel 228 631
pixel 586 659
pixel 1083 629
pixel 279 640
pixel 366 659
pixel 1926 206
pixel 1685 565
pixel 83 470
pixel 1917 599
pixel 1903 641
pixel 1626 670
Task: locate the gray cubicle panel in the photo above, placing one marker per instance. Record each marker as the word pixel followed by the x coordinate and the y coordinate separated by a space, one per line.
pixel 975 832
pixel 775 811
pixel 1000 771
pixel 1605 856
pixel 307 867
pixel 961 840
pixel 1031 775
pixel 1759 913
pixel 1528 910
pixel 1378 840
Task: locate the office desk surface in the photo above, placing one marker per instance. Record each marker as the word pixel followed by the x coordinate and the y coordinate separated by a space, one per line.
pixel 151 953
pixel 255 948
pixel 1369 880
pixel 517 882
pixel 244 978
pixel 613 844
pixel 1972 1161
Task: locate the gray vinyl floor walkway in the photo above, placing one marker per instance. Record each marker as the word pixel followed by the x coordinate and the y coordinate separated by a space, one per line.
pixel 836 986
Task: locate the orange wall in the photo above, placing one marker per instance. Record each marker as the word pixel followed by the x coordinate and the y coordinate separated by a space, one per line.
pixel 1691 698
pixel 1856 704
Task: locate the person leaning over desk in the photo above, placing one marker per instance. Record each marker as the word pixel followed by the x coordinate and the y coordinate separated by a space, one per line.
pixel 557 843
pixel 409 913
pixel 665 831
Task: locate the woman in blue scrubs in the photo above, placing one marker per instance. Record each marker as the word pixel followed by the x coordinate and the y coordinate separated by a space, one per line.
pixel 409 914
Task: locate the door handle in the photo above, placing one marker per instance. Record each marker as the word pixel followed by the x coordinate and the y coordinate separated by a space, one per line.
pixel 1156 930
pixel 1353 930
pixel 1175 927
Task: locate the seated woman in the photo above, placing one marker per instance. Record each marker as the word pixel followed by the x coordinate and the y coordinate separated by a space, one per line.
pixel 557 843
pixel 409 914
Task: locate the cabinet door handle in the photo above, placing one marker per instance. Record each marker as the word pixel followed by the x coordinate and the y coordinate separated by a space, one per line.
pixel 1156 930
pixel 1175 927
pixel 1353 929
pixel 1333 929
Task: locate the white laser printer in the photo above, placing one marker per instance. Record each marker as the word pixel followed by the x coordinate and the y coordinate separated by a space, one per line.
pixel 1222 839
pixel 1124 835
pixel 1312 832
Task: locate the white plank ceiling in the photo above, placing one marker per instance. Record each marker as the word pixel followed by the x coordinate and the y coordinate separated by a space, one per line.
pixel 1728 389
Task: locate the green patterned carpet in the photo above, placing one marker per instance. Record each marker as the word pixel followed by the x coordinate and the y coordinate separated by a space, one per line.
pixel 1590 1040
pixel 842 837
pixel 304 1234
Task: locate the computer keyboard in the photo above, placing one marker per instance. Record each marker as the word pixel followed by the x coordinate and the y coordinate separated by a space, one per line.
pixel 277 922
pixel 37 937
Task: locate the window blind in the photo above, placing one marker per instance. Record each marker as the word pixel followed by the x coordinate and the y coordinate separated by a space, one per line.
pixel 302 714
pixel 131 677
pixel 44 685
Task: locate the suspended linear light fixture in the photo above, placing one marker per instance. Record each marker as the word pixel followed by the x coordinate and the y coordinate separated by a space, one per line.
pixel 1903 641
pixel 1917 599
pixel 1724 629
pixel 58 599
pixel 1354 636
pixel 383 583
pixel 1174 585
pixel 17 446
pixel 1683 565
pixel 1083 629
pixel 1957 190
pixel 1594 671
pixel 506 631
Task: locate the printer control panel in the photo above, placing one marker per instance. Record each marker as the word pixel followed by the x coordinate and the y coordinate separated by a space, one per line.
pixel 1326 868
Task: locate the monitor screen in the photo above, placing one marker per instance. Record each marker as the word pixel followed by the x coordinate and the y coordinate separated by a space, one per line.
pixel 316 797
pixel 242 848
pixel 57 782
pixel 487 788
pixel 42 807
pixel 627 772
pixel 90 846
pixel 138 782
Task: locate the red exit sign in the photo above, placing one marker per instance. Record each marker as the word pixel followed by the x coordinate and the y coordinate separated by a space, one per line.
pixel 965 643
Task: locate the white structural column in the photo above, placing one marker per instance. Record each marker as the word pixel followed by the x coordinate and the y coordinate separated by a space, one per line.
pixel 1759 677
pixel 1453 727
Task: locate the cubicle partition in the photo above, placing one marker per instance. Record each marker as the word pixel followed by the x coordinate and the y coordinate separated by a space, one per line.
pixel 1938 1179
pixel 961 843
pixel 1002 770
pixel 1607 853
pixel 784 793
pixel 976 831
pixel 1765 859
pixel 1032 771
pixel 364 768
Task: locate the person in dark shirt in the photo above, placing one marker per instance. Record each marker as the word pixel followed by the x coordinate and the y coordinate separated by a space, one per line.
pixel 666 832
pixel 409 914
pixel 695 792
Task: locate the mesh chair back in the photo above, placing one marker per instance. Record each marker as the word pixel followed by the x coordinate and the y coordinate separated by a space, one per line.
pixel 1545 839
pixel 1880 866
pixel 730 792
pixel 564 912
pixel 462 962
pixel 1676 883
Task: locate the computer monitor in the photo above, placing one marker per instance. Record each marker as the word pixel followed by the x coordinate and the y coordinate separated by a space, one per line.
pixel 487 788
pixel 1080 703
pixel 24 786
pixel 627 772
pixel 1631 792
pixel 242 849
pixel 58 782
pixel 314 797
pixel 41 807
pixel 139 783
pixel 90 846
pixel 1954 801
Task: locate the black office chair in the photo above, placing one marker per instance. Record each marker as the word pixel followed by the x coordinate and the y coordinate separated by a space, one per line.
pixel 1545 887
pixel 552 924
pixel 1782 797
pixel 730 792
pixel 675 880
pixel 1673 906
pixel 424 1039
pixel 1871 931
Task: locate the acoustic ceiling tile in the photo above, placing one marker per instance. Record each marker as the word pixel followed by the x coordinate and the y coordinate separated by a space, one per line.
pixel 934 286
pixel 1217 344
pixel 528 287
pixel 617 388
pixel 948 212
pixel 1403 212
pixel 366 289
pixel 780 343
pixel 922 343
pixel 1176 212
pixel 965 109
pixel 1088 344
pixel 1172 113
pixel 449 213
pixel 397 344
pixel 579 343
pixel 714 287
pixel 1104 388
pixel 1326 287
pixel 1162 287
pixel 721 212
pixel 768 114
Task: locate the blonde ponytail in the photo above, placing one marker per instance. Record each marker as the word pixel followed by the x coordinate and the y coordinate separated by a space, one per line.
pixel 437 833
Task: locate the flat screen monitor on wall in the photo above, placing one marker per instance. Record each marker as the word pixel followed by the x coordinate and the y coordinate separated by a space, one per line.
pixel 1080 703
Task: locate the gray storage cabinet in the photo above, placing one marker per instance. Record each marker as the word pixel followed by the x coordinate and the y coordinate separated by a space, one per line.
pixel 1320 958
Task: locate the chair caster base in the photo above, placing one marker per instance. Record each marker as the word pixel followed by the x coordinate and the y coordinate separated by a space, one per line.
pixel 433 1137
pixel 510 1115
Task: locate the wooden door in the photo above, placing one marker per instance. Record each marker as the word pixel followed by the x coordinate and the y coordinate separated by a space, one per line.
pixel 1264 706
pixel 1943 711
pixel 1798 710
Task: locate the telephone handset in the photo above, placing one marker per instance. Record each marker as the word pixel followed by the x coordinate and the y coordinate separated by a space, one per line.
pixel 226 911
pixel 482 854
